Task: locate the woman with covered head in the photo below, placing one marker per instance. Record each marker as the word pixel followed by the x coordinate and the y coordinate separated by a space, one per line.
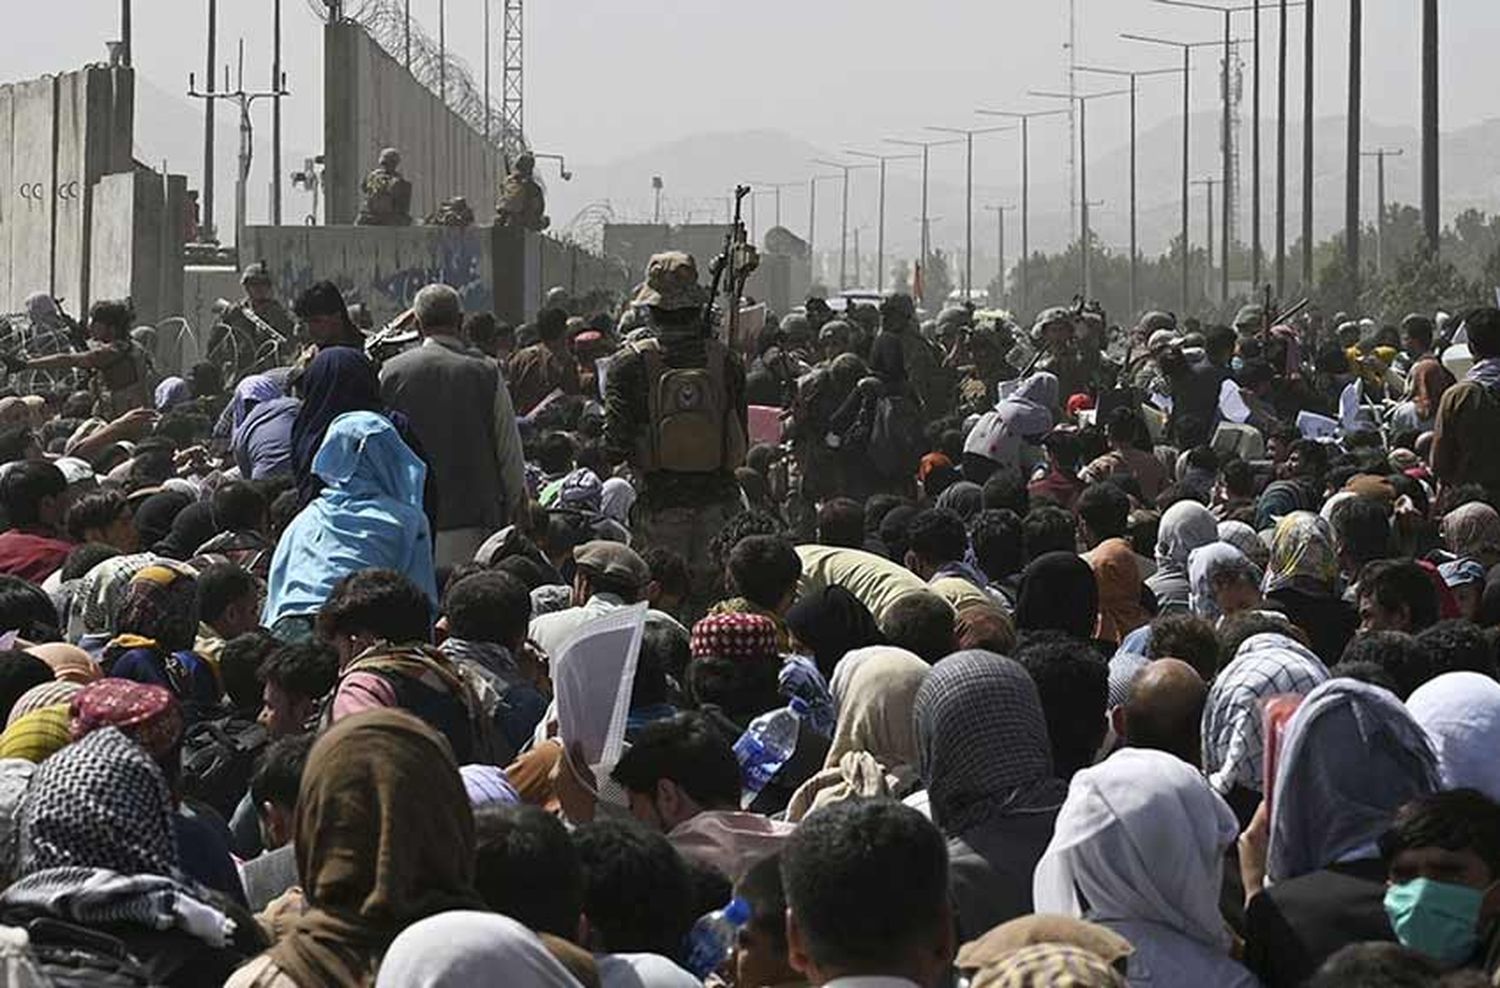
pixel 384 837
pixel 874 750
pixel 986 762
pixel 1472 531
pixel 1058 592
pixel 1185 526
pixel 1350 757
pixel 99 851
pixel 1139 848
pixel 1009 436
pixel 156 629
pixel 1224 582
pixel 368 515
pixel 1302 581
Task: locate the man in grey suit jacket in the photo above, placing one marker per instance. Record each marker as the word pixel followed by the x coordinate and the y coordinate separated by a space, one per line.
pixel 461 411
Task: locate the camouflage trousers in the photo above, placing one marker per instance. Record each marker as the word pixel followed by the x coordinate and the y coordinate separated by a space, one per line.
pixel 687 531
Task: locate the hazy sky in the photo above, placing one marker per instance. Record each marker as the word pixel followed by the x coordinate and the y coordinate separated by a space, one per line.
pixel 608 78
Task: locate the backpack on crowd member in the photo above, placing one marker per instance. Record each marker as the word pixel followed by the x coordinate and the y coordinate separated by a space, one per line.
pixel 218 758
pixel 53 953
pixel 691 427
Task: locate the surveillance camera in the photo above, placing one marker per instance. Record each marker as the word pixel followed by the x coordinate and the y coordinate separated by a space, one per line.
pixel 567 176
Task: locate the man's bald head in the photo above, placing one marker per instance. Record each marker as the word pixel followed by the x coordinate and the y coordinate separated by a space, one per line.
pixel 1165 708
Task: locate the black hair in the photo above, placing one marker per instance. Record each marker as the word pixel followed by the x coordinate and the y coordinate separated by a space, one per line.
pixel 1048 528
pixel 665 651
pixel 877 507
pixel 685 749
pixel 1123 426
pixel 26 609
pixel 922 623
pixel 1419 328
pixel 841 522
pixel 206 379
pixel 530 572
pixel 636 890
pixel 1066 448
pixel 1362 529
pixel 95 512
pixel 937 536
pixel 1459 646
pixel 1238 477
pixel 551 323
pixel 278 772
pixel 998 547
pixel 1483 325
pixel 489 606
pixel 284 508
pixel 668 570
pixel 379 602
pixel 554 452
pixel 239 666
pixel 1399 654
pixel 1006 489
pixel 894 528
pixel 765 569
pixel 761 888
pixel 1388 965
pixel 321 298
pixel 83 558
pixel 526 867
pixel 1239 628
pixel 14 441
pixel 1454 820
pixel 1366 671
pixel 1072 680
pixel 1105 508
pixel 19 672
pixel 23 488
pixel 306 669
pixel 117 314
pixel 1187 637
pixel 1394 583
pixel 740 688
pixel 221 585
pixel 866 883
pixel 239 506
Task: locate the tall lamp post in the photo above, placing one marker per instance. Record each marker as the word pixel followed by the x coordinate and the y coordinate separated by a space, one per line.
pixel 1083 172
pixel 812 214
pixel 968 135
pixel 880 228
pixel 926 220
pixel 1134 76
pixel 845 168
pixel 1186 47
pixel 1025 119
pixel 1000 211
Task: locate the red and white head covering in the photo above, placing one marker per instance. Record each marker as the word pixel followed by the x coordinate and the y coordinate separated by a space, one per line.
pixel 735 636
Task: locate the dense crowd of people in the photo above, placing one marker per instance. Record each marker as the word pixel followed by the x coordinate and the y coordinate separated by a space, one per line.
pixel 1069 655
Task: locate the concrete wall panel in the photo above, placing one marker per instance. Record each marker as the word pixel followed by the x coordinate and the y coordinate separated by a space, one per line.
pixel 10 199
pixel 32 175
pixel 69 246
pixel 111 235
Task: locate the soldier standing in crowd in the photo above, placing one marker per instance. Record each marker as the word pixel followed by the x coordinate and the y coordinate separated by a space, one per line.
pixel 387 194
pixel 255 332
pixel 675 409
pixel 522 202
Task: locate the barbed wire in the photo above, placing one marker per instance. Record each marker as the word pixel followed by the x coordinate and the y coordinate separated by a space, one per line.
pixel 385 22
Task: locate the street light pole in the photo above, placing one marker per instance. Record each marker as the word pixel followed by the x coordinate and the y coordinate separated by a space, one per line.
pixel 880 228
pixel 926 146
pixel 1025 119
pixel 1208 279
pixel 1083 172
pixel 968 134
pixel 1307 148
pixel 1380 154
pixel 1134 77
pixel 844 222
pixel 1351 153
pixel 999 212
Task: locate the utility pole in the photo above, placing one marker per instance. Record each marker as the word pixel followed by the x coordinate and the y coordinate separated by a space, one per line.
pixel 1281 150
pixel 1186 48
pixel 812 211
pixel 1208 271
pixel 244 100
pixel 486 56
pixel 443 51
pixel 926 146
pixel 999 212
pixel 1307 147
pixel 1351 153
pixel 406 31
pixel 844 220
pixel 206 227
pixel 1431 220
pixel 125 33
pixel 1084 234
pixel 880 229
pixel 1380 154
pixel 278 82
pixel 968 135
pixel 1025 119
pixel 1134 77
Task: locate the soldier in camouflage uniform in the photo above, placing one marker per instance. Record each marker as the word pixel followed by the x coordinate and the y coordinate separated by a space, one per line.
pixel 238 343
pixel 387 195
pixel 453 212
pixel 522 202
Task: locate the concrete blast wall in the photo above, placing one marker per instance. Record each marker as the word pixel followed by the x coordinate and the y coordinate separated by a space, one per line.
pixel 371 102
pixel 505 271
pixel 138 251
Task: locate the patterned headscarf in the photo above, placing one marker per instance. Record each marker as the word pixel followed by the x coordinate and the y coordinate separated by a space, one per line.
pixel 1473 531
pixel 148 713
pixel 96 603
pixel 101 802
pixel 1352 756
pixel 1205 563
pixel 735 636
pixel 51 694
pixel 161 604
pixel 488 785
pixel 1049 965
pixel 1266 665
pixel 1302 551
pixel 1244 538
pixel 982 742
pixel 37 734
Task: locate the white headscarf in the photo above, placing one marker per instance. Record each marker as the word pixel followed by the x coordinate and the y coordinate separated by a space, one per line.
pixel 1141 837
pixel 1460 713
pixel 1185 526
pixel 462 948
pixel 616 498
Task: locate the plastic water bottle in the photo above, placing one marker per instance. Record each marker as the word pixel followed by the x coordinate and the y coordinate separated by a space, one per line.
pixel 712 937
pixel 766 745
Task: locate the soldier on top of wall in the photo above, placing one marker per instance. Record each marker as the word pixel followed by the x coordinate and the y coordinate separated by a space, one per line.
pixel 254 333
pixel 387 196
pixel 522 202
